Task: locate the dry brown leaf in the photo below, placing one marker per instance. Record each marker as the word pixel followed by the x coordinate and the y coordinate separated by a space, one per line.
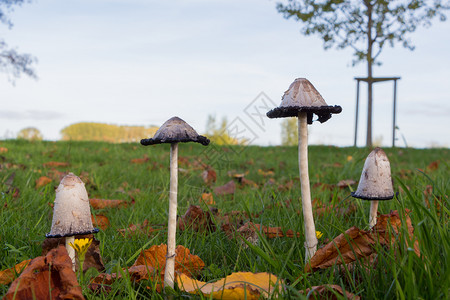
pixel 100 221
pixel 269 232
pixel 345 183
pixel 140 160
pixel 433 166
pixel 135 229
pixel 345 248
pixel 227 189
pixel 328 291
pixel 55 164
pixel 209 176
pixel 344 210
pixel 3 150
pixel 106 203
pixel 47 277
pixel 42 181
pixel 8 275
pixel 382 230
pixel 196 219
pixel 241 285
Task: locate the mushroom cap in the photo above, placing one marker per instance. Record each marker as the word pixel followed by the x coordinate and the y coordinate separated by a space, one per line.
pixel 71 212
pixel 376 181
pixel 175 130
pixel 302 96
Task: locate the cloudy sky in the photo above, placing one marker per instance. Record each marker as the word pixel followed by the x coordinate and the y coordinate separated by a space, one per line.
pixel 140 62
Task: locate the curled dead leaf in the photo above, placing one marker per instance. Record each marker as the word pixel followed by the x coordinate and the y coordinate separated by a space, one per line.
pixel 135 229
pixel 227 189
pixel 196 219
pixel 100 221
pixel 55 164
pixel 47 277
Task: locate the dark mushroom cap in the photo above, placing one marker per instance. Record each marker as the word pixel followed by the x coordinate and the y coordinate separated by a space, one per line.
pixel 376 181
pixel 302 96
pixel 175 130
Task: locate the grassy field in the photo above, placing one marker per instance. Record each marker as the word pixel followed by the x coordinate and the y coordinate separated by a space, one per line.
pixel 109 173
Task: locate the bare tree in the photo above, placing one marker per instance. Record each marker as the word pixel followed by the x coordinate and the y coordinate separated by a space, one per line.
pixel 11 62
pixel 366 26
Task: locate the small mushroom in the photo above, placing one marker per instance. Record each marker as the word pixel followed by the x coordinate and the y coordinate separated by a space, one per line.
pixel 302 100
pixel 71 213
pixel 375 183
pixel 173 131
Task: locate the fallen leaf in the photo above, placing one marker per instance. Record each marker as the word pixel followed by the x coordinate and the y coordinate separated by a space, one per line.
pixel 196 219
pixel 209 176
pixel 328 291
pixel 269 232
pixel 106 203
pixel 392 221
pixel 226 189
pixel 42 181
pixel 345 183
pixel 100 221
pixel 208 199
pixel 47 277
pixel 3 150
pixel 241 285
pixel 266 173
pixel 345 248
pixel 140 160
pixel 55 164
pixel 8 275
pixel 433 166
pixel 185 262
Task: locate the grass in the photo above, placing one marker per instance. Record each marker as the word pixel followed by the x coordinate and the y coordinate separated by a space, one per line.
pixel 25 220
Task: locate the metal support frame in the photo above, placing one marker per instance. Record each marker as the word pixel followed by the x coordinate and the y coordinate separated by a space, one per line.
pixel 374 80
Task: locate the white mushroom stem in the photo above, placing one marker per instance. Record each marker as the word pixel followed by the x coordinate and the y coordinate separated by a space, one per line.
pixel 169 273
pixel 373 213
pixel 70 250
pixel 310 229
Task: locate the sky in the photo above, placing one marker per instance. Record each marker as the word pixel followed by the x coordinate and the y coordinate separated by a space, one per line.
pixel 141 62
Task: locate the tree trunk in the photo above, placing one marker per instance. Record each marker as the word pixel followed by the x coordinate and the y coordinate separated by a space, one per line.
pixel 369 74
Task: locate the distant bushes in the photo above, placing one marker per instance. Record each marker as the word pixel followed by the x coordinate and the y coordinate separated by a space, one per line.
pixel 86 131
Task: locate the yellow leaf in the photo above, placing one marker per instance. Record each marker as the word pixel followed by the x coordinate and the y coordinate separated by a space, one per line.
pixel 241 285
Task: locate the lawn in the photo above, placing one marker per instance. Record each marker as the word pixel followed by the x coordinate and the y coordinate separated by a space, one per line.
pixel 140 176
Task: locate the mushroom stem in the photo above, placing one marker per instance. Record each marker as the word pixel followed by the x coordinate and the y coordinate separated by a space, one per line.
pixel 71 250
pixel 373 213
pixel 169 273
pixel 310 230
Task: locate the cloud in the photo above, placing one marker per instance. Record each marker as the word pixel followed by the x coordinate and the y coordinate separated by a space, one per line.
pixel 35 115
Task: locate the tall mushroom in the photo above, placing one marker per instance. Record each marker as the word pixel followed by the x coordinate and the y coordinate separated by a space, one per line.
pixel 302 100
pixel 71 213
pixel 173 131
pixel 375 183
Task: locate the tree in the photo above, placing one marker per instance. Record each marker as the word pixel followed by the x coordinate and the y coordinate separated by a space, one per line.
pixel 366 26
pixel 30 134
pixel 12 62
pixel 289 132
pixel 219 134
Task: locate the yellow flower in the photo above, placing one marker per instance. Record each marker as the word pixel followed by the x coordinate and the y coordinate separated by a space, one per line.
pixel 81 246
pixel 319 234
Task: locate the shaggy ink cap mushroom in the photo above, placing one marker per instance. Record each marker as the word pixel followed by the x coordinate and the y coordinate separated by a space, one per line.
pixel 71 211
pixel 175 130
pixel 302 96
pixel 376 181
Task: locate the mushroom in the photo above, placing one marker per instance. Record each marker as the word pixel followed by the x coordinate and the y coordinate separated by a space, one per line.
pixel 173 131
pixel 375 183
pixel 302 100
pixel 71 213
